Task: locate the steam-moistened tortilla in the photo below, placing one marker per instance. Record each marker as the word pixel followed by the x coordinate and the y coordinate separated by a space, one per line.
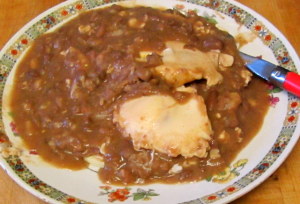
pixel 182 65
pixel 160 123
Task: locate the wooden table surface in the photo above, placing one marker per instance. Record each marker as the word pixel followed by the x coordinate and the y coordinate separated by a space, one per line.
pixel 282 187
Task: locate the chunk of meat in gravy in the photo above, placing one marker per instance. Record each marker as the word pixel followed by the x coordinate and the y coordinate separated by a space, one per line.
pixel 159 122
pixel 229 101
pixel 75 59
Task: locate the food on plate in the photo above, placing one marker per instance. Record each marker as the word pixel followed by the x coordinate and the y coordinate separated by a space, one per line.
pixel 181 65
pixel 159 123
pixel 138 94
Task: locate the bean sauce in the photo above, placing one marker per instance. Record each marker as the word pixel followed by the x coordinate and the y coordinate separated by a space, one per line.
pixel 72 79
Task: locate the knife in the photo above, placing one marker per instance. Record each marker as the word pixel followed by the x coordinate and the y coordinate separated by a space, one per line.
pixel 276 75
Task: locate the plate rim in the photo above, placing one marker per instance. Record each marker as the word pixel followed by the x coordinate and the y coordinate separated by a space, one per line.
pixel 277 163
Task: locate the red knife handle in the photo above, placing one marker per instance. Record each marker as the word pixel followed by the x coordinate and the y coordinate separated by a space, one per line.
pixel 292 83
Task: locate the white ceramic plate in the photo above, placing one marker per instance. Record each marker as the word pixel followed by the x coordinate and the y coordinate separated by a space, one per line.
pixel 261 157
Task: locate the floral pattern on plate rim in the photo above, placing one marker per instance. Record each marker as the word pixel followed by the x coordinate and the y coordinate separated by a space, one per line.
pixel 229 173
pixel 12 54
pixel 122 194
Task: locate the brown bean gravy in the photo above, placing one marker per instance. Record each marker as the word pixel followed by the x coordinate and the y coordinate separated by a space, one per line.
pixel 72 80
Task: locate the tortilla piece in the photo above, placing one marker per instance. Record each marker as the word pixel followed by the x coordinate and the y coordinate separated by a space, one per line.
pixel 160 123
pixel 182 65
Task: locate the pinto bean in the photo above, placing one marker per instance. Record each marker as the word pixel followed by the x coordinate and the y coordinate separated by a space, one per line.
pixel 212 44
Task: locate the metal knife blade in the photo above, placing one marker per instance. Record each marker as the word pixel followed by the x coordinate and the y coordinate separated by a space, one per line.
pixel 276 75
pixel 268 71
pixel 258 66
